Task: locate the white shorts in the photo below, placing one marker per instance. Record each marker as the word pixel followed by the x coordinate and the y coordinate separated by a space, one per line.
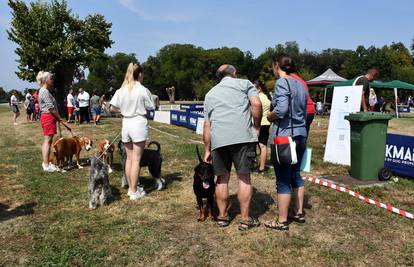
pixel 134 129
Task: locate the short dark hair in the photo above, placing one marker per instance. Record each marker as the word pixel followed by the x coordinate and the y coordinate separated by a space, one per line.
pixel 227 71
pixel 374 72
pixel 263 88
pixel 285 63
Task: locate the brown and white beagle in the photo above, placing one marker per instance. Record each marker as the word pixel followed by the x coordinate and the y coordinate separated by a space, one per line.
pixel 64 148
pixel 106 150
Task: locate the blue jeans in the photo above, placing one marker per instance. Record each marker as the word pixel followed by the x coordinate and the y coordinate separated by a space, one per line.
pixel 288 176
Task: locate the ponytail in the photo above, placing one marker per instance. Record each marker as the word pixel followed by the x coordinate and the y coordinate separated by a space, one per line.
pixel 131 75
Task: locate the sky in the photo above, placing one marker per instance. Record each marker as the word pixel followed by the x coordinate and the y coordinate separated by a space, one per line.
pixel 144 26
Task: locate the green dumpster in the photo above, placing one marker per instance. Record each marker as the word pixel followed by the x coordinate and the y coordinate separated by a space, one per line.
pixel 368 140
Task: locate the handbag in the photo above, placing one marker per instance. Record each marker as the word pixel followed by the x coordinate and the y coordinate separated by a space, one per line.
pixel 285 146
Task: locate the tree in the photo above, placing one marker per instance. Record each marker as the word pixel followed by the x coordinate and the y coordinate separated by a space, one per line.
pixel 49 37
pixel 107 72
pixel 177 65
pixel 202 87
pixel 3 95
pixel 192 69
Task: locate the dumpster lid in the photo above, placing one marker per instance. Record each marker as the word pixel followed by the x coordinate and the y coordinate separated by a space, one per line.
pixel 367 116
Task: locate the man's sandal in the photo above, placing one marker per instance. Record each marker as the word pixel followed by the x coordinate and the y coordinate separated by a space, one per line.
pixel 248 224
pixel 223 221
pixel 278 226
pixel 299 218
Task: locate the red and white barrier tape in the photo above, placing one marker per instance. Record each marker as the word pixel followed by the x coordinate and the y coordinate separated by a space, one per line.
pixel 355 194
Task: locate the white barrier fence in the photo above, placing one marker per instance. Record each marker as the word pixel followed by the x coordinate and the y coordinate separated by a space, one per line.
pixel 163 116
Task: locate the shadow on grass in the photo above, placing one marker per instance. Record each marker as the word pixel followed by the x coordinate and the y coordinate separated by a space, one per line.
pixel 260 204
pixel 116 194
pixel 22 210
pixel 117 167
pixel 150 185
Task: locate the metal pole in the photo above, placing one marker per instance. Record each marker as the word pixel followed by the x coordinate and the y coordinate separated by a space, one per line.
pixel 396 102
pixel 324 98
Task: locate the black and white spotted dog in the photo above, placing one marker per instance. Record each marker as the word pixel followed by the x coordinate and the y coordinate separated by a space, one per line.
pixel 100 192
pixel 150 158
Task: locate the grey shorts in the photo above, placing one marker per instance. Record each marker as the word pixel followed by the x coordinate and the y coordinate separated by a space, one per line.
pixel 243 156
pixel 15 109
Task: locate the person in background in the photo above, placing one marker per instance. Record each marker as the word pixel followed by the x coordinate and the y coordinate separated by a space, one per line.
pixel 83 99
pixel 28 94
pixel 156 101
pixel 372 99
pixel 50 116
pixel 95 107
pixel 37 112
pixel 289 120
pixel 76 111
pixel 371 75
pixel 266 99
pixel 232 114
pixel 36 96
pixel 70 104
pixel 14 105
pixel 32 107
pixel 133 100
pixel 103 104
pixel 310 108
pixel 379 107
pixel 410 101
pixel 28 106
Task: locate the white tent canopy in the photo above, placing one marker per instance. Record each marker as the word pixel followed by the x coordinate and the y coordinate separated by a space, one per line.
pixel 329 76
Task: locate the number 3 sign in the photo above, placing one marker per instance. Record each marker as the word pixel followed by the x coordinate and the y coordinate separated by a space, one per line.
pixel 346 99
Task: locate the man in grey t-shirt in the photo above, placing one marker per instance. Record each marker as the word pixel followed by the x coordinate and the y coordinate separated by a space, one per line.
pixel 232 111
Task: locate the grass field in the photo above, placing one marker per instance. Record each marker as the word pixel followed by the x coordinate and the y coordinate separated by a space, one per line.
pixel 45 220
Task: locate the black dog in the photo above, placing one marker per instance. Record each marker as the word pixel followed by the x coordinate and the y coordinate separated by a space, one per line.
pixel 204 186
pixel 150 158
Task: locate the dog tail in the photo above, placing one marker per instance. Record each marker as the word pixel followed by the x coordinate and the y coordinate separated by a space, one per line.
pixel 157 144
pixel 198 154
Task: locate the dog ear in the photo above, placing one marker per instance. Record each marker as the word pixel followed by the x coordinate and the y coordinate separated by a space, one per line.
pixel 197 168
pixel 198 154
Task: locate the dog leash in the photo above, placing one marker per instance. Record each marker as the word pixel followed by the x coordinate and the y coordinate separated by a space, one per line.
pixel 67 128
pixel 175 136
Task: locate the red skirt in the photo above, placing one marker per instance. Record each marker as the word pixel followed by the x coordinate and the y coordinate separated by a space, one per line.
pixel 48 122
pixel 70 110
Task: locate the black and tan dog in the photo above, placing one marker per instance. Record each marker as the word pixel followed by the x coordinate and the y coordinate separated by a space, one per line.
pixel 151 158
pixel 204 186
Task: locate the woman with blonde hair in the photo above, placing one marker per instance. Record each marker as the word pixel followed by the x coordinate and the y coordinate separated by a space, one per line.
pixel 133 100
pixel 49 117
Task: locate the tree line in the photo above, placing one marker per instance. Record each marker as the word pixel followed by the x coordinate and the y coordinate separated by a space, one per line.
pixel 50 37
pixel 191 69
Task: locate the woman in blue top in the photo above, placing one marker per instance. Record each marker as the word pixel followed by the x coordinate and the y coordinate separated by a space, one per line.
pixel 288 177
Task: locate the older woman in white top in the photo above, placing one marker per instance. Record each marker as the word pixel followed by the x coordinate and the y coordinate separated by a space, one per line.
pixel 133 100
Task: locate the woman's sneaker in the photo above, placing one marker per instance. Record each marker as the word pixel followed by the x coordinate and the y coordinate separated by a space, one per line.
pixel 50 168
pixel 138 194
